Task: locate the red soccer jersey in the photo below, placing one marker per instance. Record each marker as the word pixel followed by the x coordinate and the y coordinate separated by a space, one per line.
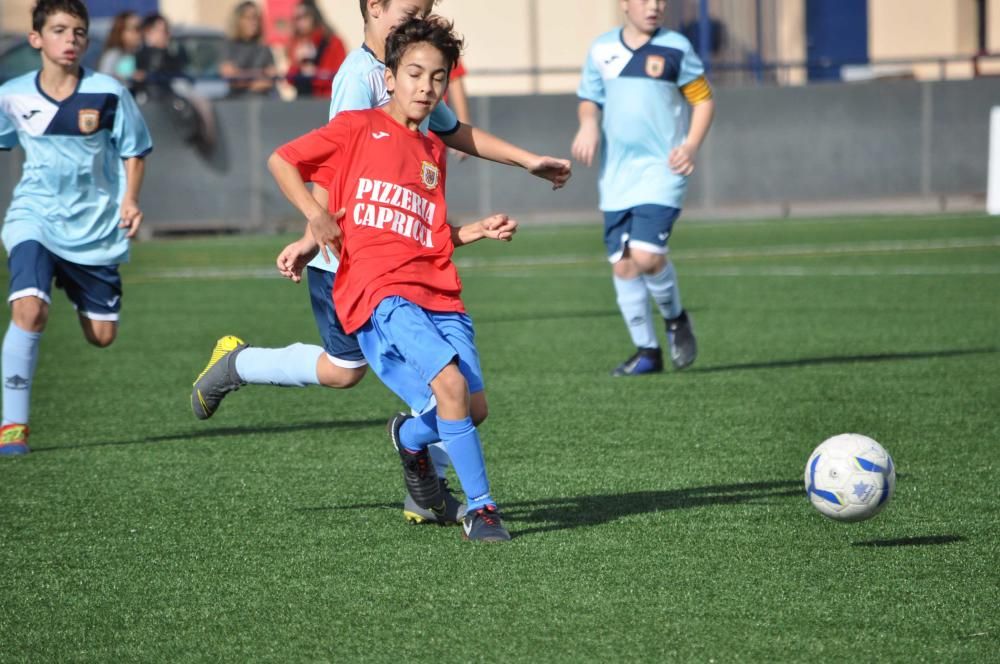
pixel 397 240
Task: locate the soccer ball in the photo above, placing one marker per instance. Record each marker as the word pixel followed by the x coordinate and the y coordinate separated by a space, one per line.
pixel 850 477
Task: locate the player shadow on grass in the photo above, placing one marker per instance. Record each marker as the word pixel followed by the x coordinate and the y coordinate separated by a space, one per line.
pixel 927 540
pixel 224 431
pixel 560 513
pixel 845 359
pixel 574 512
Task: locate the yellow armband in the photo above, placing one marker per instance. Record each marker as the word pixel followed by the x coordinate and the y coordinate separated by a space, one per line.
pixel 697 91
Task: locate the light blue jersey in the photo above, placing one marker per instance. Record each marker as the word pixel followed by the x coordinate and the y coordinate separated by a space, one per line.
pixel 360 85
pixel 73 181
pixel 644 115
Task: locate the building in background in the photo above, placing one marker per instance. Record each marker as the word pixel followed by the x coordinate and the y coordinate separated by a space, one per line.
pixel 537 46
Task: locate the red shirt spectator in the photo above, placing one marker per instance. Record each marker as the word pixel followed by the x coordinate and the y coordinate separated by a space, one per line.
pixel 315 53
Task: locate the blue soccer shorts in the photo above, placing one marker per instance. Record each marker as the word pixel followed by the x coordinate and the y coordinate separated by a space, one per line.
pixel 342 348
pixel 407 346
pixel 94 290
pixel 644 227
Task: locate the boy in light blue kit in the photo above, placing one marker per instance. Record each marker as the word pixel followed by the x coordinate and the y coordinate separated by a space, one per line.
pixel 636 83
pixel 339 363
pixel 76 206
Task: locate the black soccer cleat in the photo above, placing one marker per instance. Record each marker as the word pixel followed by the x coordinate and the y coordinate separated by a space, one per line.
pixel 484 525
pixel 683 345
pixel 645 360
pixel 454 509
pixel 418 471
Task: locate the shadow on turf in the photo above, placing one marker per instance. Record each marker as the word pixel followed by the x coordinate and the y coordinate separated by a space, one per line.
pixel 224 431
pixel 845 359
pixel 929 540
pixel 553 514
pixel 574 512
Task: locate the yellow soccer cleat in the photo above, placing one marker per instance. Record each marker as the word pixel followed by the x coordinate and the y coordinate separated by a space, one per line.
pixel 14 440
pixel 219 377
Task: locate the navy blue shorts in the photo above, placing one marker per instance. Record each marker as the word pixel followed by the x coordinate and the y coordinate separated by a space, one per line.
pixel 342 347
pixel 94 290
pixel 645 227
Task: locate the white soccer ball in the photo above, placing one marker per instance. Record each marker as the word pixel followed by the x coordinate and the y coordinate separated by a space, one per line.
pixel 850 477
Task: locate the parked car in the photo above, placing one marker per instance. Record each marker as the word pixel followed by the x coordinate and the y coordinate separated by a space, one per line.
pixel 203 47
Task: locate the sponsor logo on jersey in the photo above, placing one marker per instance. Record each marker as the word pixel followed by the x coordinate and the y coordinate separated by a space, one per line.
pixel 380 135
pixel 30 114
pixel 88 120
pixel 655 65
pixel 430 175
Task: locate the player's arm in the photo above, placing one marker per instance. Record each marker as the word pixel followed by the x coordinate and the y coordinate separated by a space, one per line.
pixel 131 214
pixel 699 94
pixel 479 143
pixel 497 227
pixel 588 136
pixel 322 226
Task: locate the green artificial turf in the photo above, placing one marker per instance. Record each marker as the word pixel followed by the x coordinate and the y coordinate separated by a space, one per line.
pixel 659 518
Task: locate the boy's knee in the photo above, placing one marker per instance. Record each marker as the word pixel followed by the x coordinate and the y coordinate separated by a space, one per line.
pixel 99 333
pixel 100 338
pixel 337 377
pixel 450 385
pixel 478 410
pixel 648 263
pixel 30 313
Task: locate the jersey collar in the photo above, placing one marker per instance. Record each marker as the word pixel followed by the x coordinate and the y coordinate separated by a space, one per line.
pixel 371 53
pixel 38 86
pixel 621 38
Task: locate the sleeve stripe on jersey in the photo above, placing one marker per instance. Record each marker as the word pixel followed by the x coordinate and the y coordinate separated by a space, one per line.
pixel 697 91
pixel 137 156
pixel 592 101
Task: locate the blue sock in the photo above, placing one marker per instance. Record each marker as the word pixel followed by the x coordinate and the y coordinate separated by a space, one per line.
pixel 420 431
pixel 461 440
pixel 292 366
pixel 633 301
pixel 663 287
pixel 20 355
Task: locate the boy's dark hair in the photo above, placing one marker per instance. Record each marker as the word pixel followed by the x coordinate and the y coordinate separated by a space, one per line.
pixel 152 19
pixel 432 30
pixel 46 8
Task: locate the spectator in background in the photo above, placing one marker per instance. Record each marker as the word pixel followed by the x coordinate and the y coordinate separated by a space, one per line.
pixel 156 63
pixel 124 41
pixel 246 60
pixel 315 53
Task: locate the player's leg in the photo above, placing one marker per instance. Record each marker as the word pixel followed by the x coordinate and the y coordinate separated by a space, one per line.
pixel 651 229
pixel 96 292
pixel 417 356
pixel 234 363
pixel 632 297
pixel 31 270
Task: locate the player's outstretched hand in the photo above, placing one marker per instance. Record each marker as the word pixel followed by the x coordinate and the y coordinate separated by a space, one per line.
pixel 681 160
pixel 499 227
pixel 585 143
pixel 326 232
pixel 556 171
pixel 131 217
pixel 294 257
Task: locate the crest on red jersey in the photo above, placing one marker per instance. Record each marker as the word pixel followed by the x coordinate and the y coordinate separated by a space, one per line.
pixel 430 175
pixel 88 120
pixel 655 64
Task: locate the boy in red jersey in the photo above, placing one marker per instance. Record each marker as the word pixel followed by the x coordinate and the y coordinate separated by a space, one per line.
pixel 397 287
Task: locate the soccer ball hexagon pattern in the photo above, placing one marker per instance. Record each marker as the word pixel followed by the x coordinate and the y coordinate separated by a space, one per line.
pixel 850 477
